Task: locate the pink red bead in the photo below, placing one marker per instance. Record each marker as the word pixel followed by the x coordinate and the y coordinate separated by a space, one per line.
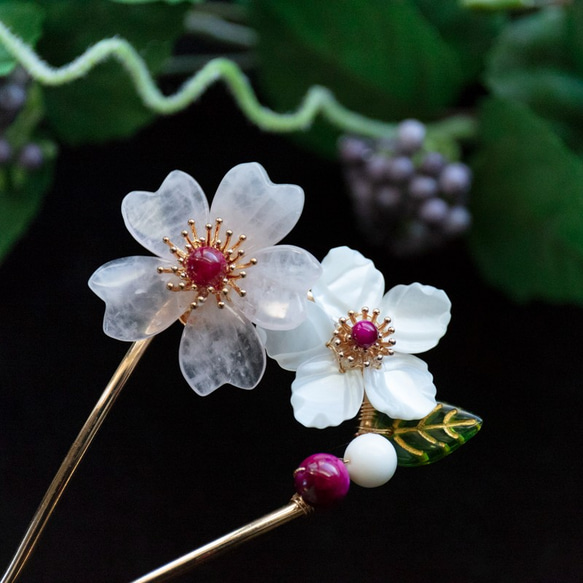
pixel 322 479
pixel 364 333
pixel 206 266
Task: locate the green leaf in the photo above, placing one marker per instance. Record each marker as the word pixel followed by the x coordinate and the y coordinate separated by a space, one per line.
pixel 422 442
pixel 574 39
pixel 470 34
pixel 382 59
pixel 150 1
pixel 22 191
pixel 21 196
pixel 24 19
pixel 104 104
pixel 532 63
pixel 527 236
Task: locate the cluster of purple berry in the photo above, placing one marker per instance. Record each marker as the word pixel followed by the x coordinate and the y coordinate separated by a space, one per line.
pixel 406 198
pixel 13 96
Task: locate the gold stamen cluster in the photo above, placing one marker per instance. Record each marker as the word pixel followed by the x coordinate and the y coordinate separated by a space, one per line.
pixel 349 354
pixel 232 253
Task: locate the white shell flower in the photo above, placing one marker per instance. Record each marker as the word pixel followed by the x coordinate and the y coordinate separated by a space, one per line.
pixel 202 283
pixel 357 340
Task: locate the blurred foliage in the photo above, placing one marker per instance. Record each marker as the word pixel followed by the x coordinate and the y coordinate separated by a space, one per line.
pixel 520 74
pixel 23 18
pixel 528 231
pixel 388 60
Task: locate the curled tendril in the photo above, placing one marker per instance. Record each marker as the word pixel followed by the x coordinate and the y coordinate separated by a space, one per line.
pixel 317 100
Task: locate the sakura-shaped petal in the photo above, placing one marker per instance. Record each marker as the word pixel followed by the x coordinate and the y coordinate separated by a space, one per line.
pixel 349 281
pixel 220 347
pixel 137 303
pixel 420 315
pixel 276 287
pixel 403 388
pixel 151 216
pixel 250 204
pixel 292 347
pixel 323 398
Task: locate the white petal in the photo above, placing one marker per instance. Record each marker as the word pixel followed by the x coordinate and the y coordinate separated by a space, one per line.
pixel 403 388
pixel 324 397
pixel 349 281
pixel 277 287
pixel 420 315
pixel 292 347
pixel 219 347
pixel 151 216
pixel 250 204
pixel 137 302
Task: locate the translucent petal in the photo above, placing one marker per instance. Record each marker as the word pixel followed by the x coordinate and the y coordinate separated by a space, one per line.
pixel 403 388
pixel 151 216
pixel 219 347
pixel 292 347
pixel 420 315
pixel 277 287
pixel 250 204
pixel 349 281
pixel 137 302
pixel 324 397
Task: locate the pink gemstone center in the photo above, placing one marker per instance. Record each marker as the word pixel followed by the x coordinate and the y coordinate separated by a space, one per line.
pixel 206 266
pixel 364 333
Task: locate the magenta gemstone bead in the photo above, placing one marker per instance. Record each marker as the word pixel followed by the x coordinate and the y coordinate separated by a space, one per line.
pixel 322 479
pixel 206 266
pixel 365 333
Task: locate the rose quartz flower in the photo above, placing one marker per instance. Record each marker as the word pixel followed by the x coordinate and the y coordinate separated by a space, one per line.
pixel 217 270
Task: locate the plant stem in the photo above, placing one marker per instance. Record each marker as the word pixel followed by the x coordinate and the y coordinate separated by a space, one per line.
pixel 187 64
pixel 73 458
pixel 217 29
pixel 317 101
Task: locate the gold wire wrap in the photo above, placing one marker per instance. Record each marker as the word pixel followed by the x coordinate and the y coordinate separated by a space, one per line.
pixel 295 508
pixel 366 420
pixel 73 458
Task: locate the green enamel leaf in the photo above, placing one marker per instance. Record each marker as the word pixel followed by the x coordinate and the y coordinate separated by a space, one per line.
pixel 104 104
pixel 382 59
pixel 527 236
pixel 430 439
pixel 24 19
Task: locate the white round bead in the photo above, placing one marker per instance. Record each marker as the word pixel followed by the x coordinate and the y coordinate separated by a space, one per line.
pixel 371 460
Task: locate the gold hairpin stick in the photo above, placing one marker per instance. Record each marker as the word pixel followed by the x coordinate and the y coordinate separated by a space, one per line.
pixel 295 508
pixel 73 458
pixel 320 480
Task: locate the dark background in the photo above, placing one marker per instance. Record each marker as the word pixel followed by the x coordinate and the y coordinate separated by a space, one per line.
pixel 170 471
